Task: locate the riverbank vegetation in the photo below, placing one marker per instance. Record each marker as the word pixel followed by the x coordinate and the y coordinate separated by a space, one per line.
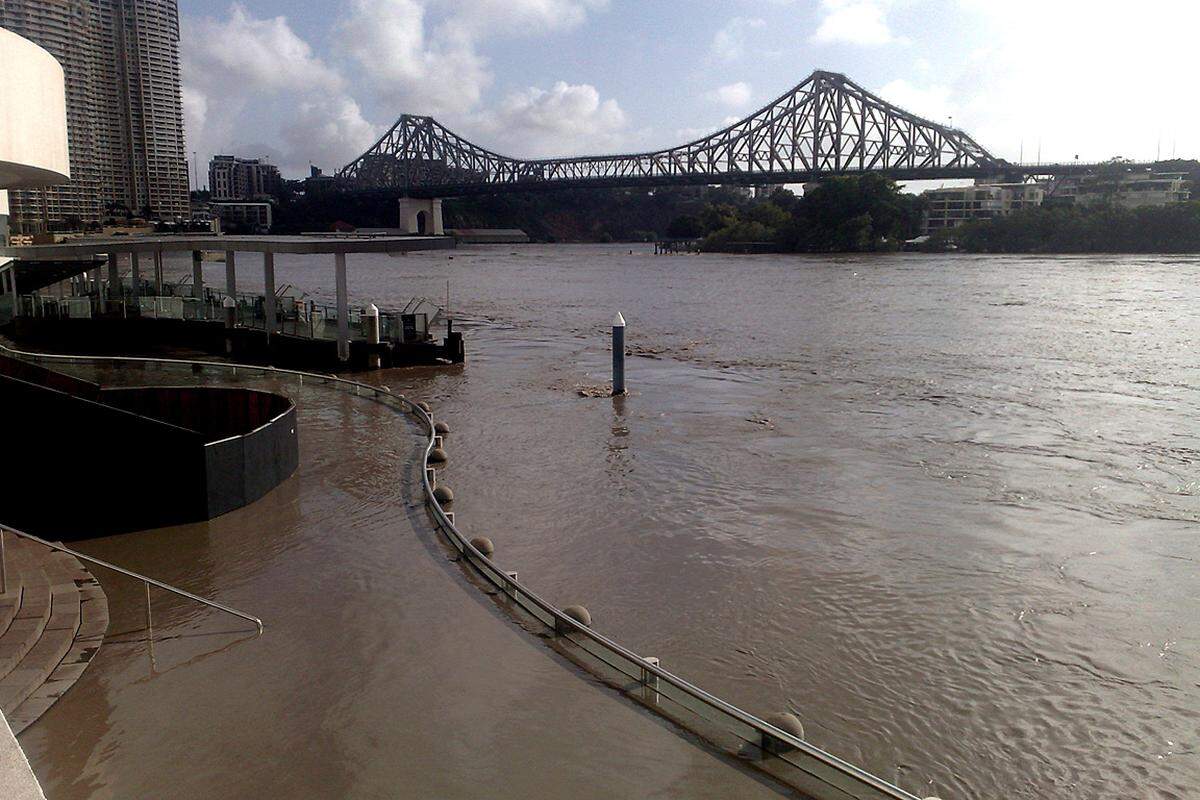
pixel 1069 229
pixel 858 214
pixel 841 215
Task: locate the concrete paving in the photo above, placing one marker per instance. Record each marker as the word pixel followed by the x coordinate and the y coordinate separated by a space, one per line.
pixel 17 781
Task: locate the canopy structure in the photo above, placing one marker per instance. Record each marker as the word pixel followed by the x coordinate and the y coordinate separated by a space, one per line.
pixel 85 251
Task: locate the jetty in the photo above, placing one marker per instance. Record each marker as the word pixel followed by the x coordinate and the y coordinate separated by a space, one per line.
pixel 112 297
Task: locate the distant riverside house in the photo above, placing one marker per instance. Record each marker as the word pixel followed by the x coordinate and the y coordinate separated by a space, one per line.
pixel 233 178
pixel 950 208
pixel 1127 189
pixel 243 217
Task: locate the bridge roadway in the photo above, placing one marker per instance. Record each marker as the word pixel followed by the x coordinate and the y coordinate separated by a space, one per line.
pixel 381 672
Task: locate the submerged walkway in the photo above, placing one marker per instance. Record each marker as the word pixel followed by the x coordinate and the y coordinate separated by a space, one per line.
pixel 52 621
pixel 53 615
pixel 382 671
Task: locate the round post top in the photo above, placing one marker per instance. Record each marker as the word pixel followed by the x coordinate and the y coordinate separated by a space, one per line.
pixel 372 310
pixel 618 321
pixel 228 302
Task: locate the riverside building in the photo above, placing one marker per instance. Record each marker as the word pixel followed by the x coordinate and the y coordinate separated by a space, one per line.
pixel 233 178
pixel 124 111
pixel 1127 190
pixel 952 207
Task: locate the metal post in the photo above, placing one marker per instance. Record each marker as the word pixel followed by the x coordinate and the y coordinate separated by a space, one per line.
pixel 231 274
pixel 343 307
pixel 197 275
pixel 372 323
pixel 149 620
pixel 3 565
pixel 230 307
pixel 114 278
pixel 158 273
pixel 618 355
pixel 136 269
pixel 650 680
pixel 269 291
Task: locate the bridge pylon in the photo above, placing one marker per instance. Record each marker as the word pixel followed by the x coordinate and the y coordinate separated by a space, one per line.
pixel 419 215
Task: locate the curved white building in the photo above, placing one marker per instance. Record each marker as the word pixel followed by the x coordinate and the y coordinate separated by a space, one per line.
pixel 33 133
pixel 33 120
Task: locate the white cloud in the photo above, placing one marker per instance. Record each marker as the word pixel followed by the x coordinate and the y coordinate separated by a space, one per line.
pixel 407 69
pixel 729 43
pixel 248 80
pixel 931 102
pixel 563 120
pixel 328 131
pixel 1085 99
pixel 733 95
pixel 862 22
pixel 265 53
pixel 410 50
pixel 479 19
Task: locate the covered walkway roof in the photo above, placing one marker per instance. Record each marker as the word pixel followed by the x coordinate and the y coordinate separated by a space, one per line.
pixel 303 245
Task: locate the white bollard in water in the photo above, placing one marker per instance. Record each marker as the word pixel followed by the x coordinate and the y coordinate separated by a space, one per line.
pixel 372 320
pixel 618 353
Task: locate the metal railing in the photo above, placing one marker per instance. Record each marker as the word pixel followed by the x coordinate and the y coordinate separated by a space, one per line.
pixel 787 758
pixel 145 579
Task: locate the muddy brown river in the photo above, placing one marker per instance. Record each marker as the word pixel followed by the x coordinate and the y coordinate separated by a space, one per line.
pixel 944 508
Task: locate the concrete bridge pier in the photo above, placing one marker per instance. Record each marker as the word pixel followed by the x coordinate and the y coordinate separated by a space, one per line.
pixel 411 211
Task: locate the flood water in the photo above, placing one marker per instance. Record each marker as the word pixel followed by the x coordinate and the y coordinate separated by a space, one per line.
pixel 941 507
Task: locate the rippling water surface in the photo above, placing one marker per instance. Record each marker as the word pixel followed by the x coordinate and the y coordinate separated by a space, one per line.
pixel 943 508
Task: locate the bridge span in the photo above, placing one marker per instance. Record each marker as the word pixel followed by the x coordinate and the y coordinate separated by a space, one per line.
pixel 826 126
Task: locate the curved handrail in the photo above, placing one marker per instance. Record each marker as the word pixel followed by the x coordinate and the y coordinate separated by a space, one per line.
pixel 847 779
pixel 166 587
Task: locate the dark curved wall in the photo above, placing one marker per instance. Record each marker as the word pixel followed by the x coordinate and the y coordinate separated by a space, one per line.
pixel 77 467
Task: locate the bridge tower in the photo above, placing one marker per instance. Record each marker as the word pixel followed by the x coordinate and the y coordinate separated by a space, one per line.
pixel 411 209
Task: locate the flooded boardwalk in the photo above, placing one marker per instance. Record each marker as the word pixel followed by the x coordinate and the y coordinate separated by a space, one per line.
pixel 382 671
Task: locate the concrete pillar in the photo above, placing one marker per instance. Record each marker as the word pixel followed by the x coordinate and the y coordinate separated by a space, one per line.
pixel 372 320
pixel 230 308
pixel 136 268
pixel 269 290
pixel 197 275
pixel 158 272
pixel 231 274
pixel 343 307
pixel 410 207
pixel 114 278
pixel 435 218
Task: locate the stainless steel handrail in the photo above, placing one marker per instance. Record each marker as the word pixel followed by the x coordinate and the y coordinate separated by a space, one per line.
pixel 826 768
pixel 166 587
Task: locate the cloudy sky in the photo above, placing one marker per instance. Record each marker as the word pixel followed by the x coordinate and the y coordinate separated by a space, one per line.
pixel 319 81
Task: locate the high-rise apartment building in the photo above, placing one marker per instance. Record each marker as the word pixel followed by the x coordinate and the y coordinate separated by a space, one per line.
pixel 124 112
pixel 233 178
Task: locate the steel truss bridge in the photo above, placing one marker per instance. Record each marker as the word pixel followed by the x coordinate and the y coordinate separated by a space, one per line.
pixel 828 125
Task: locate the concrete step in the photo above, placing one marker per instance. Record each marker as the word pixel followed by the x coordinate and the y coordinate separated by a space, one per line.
pixel 9 603
pixel 56 616
pixel 93 624
pixel 30 619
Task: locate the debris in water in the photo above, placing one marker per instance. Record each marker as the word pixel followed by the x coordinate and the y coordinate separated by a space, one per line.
pixel 598 390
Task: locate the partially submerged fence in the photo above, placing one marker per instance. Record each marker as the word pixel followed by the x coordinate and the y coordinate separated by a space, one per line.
pixel 754 741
